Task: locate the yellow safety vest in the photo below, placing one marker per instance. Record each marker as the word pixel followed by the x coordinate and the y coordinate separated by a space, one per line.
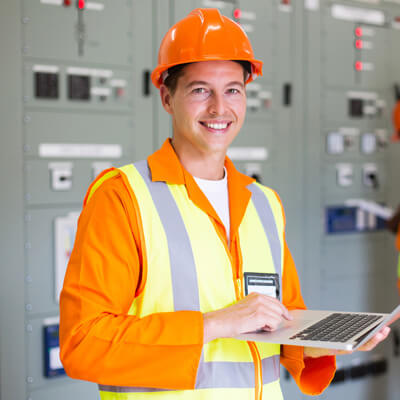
pixel 188 268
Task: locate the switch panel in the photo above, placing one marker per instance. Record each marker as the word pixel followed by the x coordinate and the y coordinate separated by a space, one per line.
pixel 344 174
pixel 52 362
pixel 368 143
pixel 78 87
pixel 60 176
pixel 370 176
pixel 46 85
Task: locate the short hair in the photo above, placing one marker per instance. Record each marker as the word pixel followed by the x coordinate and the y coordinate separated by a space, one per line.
pixel 175 72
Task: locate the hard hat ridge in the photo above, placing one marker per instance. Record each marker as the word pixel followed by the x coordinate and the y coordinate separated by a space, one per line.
pixel 204 35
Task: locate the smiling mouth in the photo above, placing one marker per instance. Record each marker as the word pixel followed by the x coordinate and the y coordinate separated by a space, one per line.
pixel 216 126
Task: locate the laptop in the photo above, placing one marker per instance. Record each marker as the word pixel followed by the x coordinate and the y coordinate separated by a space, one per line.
pixel 326 329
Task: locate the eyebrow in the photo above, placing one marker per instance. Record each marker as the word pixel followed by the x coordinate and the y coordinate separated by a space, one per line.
pixel 195 83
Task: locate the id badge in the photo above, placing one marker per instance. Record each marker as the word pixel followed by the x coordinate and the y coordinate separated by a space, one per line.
pixel 267 284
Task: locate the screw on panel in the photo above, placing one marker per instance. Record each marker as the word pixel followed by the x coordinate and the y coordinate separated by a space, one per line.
pixel 27 118
pixel 25 20
pixel 28 279
pixel 28 245
pixel 28 307
pixel 27 148
pixel 26 99
pixel 28 196
pixel 25 50
pixel 29 328
pixel 29 379
pixel 28 217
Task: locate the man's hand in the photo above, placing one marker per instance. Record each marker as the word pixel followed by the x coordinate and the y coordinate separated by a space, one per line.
pixel 256 311
pixel 315 352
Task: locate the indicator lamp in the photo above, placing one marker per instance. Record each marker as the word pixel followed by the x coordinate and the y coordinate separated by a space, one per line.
pixel 81 4
pixel 358 66
pixel 359 44
pixel 237 13
pixel 358 31
pixel 67 3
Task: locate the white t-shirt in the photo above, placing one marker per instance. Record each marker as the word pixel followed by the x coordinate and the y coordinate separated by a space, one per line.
pixel 217 194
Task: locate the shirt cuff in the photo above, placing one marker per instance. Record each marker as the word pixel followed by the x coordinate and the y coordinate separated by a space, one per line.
pixel 312 375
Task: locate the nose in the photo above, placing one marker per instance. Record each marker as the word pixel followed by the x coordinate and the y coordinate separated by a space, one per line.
pixel 216 104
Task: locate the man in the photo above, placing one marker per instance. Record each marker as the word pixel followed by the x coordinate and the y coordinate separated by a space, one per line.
pixel 154 290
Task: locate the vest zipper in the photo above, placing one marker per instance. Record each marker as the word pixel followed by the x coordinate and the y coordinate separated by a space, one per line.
pixel 258 389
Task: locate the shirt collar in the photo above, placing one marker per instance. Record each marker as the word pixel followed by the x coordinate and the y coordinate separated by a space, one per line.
pixel 165 166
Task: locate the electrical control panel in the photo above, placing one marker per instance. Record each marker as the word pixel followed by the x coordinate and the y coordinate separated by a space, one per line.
pixel 317 130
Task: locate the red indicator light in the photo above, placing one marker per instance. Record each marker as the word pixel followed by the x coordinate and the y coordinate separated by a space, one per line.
pixel 358 31
pixel 81 4
pixel 397 19
pixel 358 66
pixel 237 13
pixel 67 3
pixel 359 44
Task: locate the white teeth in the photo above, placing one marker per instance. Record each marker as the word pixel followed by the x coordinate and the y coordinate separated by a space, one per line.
pixel 217 126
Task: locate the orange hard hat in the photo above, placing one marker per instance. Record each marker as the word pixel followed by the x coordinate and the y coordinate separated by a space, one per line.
pixel 204 35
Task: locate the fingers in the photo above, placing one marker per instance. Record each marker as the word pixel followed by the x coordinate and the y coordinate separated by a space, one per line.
pixel 269 311
pixel 376 339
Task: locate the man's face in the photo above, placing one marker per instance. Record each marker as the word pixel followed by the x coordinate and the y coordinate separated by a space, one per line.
pixel 208 107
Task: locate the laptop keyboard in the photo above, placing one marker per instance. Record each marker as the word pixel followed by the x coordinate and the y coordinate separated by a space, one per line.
pixel 337 327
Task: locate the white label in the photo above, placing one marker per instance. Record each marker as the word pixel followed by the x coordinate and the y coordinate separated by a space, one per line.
pixel 285 7
pixel 52 69
pixel 353 14
pixel 395 25
pixel 368 66
pixel 54 358
pixel 51 321
pixel 265 95
pixel 247 27
pixel 367 45
pixel 64 150
pixel 98 167
pixel 52 2
pixel 369 1
pixel 117 82
pixel 368 31
pixel 253 87
pixel 253 103
pixel 368 143
pixel 344 174
pixel 345 130
pixel 335 143
pixel 362 95
pixel 311 5
pixel 214 4
pixel 249 15
pixel 248 153
pixel 100 73
pixel 100 91
pixel 91 5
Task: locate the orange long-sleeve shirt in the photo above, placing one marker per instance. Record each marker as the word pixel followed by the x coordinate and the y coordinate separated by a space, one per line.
pixel 100 342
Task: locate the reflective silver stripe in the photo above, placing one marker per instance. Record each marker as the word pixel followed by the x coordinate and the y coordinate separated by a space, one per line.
pixel 183 267
pixel 219 374
pixel 267 219
pixel 223 374
pixel 129 389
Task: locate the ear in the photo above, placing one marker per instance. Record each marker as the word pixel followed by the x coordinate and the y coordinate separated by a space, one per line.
pixel 166 98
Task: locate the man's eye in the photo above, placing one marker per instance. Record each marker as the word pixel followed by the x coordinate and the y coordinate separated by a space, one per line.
pixel 233 91
pixel 199 90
